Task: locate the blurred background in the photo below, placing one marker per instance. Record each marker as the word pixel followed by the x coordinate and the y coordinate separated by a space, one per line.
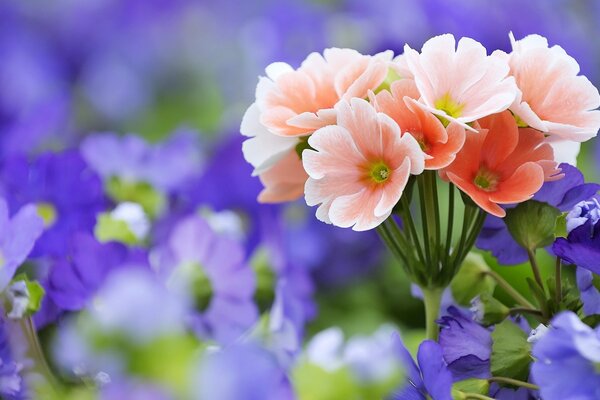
pixel 158 68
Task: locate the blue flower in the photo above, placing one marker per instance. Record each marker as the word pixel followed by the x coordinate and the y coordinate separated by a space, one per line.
pixel 567 359
pixel 211 271
pixel 562 194
pixel 12 384
pixel 466 345
pixel 131 389
pixel 243 371
pixel 165 166
pixel 68 195
pixel 431 378
pixel 17 238
pixel 581 247
pixel 589 294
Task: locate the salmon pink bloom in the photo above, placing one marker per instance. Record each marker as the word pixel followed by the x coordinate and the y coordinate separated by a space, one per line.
pixel 463 83
pixel 552 98
pixel 439 144
pixel 502 164
pixel 359 167
pixel 298 102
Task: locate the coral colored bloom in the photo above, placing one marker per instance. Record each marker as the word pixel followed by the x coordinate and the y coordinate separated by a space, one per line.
pixel 439 144
pixel 502 164
pixel 553 98
pixel 359 167
pixel 461 83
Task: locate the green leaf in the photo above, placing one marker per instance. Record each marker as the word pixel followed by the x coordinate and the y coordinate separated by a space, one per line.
pixel 561 226
pixel 532 224
pixel 471 280
pixel 108 229
pixel 510 352
pixel 472 385
pixel 315 383
pixel 489 311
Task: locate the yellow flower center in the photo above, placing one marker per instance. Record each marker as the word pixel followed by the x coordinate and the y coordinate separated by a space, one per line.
pixel 452 108
pixel 48 213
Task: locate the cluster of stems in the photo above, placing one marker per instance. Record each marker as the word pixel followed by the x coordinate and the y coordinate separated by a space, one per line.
pixel 429 241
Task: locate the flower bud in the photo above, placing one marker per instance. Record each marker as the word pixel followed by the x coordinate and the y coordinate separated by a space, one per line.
pixel 487 310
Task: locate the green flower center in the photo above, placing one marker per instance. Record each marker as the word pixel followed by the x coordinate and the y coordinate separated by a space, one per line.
pixel 450 107
pixel 48 213
pixel 486 180
pixel 380 172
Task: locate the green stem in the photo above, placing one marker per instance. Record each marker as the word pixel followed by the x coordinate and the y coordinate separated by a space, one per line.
pixel 558 277
pixel 410 226
pixel 35 352
pixel 535 268
pixel 510 290
pixel 425 218
pixel 432 297
pixel 514 382
pixel 450 226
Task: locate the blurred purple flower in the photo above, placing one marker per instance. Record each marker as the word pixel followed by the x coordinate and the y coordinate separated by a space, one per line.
pixel 589 293
pixel 562 194
pixel 74 280
pixel 211 271
pixel 466 345
pixel 430 379
pixel 165 166
pixel 17 238
pixel 62 187
pixel 566 360
pixel 12 384
pixel 243 371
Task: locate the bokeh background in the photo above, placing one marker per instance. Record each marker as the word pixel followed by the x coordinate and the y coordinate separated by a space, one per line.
pixel 70 68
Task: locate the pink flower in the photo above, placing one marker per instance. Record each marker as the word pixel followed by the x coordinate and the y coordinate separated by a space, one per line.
pixel 439 144
pixel 552 97
pixel 463 83
pixel 359 167
pixel 298 102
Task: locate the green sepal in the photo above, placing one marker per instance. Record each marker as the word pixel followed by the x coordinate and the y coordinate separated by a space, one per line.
pixel 471 280
pixel 592 320
pixel 471 385
pixel 532 224
pixel 492 311
pixel 539 295
pixel 510 352
pixel 108 229
pixel 302 145
pixel 36 294
pixel 569 297
pixel 561 226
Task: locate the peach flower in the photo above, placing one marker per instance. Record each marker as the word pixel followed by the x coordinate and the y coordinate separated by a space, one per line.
pixel 298 102
pixel 460 84
pixel 502 164
pixel 359 167
pixel 552 98
pixel 440 144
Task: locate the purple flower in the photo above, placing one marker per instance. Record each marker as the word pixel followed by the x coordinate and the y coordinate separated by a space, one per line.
pixel 581 247
pixel 241 371
pixel 74 280
pixel 587 210
pixel 67 193
pixel 17 238
pixel 562 194
pixel 589 293
pixel 133 390
pixel 431 378
pixel 164 166
pixel 212 272
pixel 466 345
pixel 12 384
pixel 566 360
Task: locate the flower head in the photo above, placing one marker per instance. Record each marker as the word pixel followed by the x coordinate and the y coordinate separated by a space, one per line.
pixel 359 167
pixel 439 144
pixel 501 164
pixel 461 83
pixel 552 97
pixel 211 272
pixel 566 360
